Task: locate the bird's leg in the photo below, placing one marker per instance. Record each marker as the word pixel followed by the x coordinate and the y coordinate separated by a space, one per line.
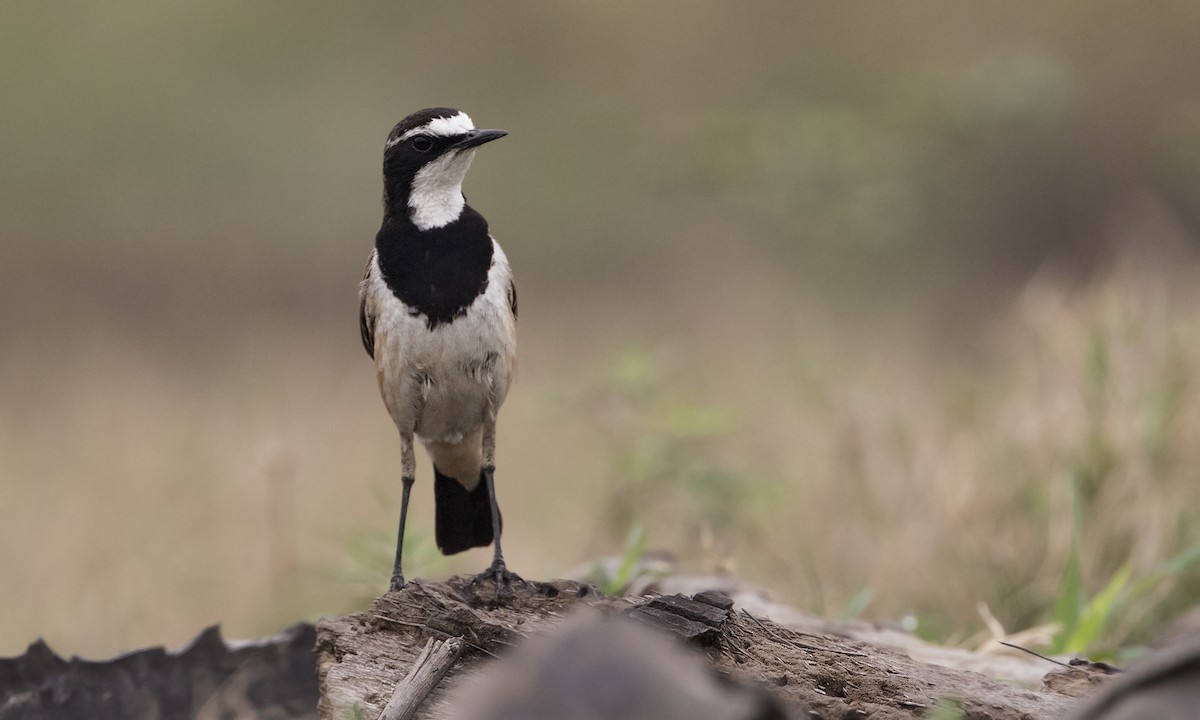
pixel 498 572
pixel 408 471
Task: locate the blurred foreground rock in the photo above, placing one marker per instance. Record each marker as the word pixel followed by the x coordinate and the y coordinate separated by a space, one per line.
pixel 271 679
pixel 606 666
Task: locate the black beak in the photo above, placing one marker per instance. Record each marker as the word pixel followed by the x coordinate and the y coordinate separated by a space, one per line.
pixel 475 138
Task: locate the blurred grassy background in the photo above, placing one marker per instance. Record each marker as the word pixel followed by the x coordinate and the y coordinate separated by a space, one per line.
pixel 857 301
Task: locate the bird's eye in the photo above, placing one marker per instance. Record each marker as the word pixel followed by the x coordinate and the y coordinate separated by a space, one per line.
pixel 422 144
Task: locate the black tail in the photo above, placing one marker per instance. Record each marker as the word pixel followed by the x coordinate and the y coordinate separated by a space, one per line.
pixel 464 517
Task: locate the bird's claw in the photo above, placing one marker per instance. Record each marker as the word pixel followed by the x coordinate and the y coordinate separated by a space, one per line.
pixel 501 577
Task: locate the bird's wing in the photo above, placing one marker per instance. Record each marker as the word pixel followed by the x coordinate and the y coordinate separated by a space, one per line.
pixel 512 297
pixel 366 319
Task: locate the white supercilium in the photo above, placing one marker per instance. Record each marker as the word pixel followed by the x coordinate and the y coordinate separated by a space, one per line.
pixel 442 127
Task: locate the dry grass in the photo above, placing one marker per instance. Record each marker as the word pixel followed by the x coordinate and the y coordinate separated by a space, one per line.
pixel 961 475
pixel 147 494
pixel 938 473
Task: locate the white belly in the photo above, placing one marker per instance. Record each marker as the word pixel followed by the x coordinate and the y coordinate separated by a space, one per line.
pixel 438 384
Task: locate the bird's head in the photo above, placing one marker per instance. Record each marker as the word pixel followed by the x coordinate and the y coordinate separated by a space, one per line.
pixel 424 162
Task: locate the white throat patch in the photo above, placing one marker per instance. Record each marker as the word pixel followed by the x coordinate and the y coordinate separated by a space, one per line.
pixel 436 198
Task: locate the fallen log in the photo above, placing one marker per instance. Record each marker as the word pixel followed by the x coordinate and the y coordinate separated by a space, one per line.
pixel 362 657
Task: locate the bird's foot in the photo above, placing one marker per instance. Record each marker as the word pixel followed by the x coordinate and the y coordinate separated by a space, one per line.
pixel 397 581
pixel 502 578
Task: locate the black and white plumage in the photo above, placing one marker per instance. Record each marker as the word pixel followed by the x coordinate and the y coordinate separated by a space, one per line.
pixel 438 315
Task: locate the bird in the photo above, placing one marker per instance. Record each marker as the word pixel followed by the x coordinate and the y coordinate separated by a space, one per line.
pixel 438 314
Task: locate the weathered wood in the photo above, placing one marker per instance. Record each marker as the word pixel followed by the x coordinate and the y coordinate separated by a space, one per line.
pixel 690 630
pixel 716 599
pixel 431 666
pixel 360 656
pixel 684 606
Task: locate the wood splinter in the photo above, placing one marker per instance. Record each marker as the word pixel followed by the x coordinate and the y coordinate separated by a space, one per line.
pixel 435 660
